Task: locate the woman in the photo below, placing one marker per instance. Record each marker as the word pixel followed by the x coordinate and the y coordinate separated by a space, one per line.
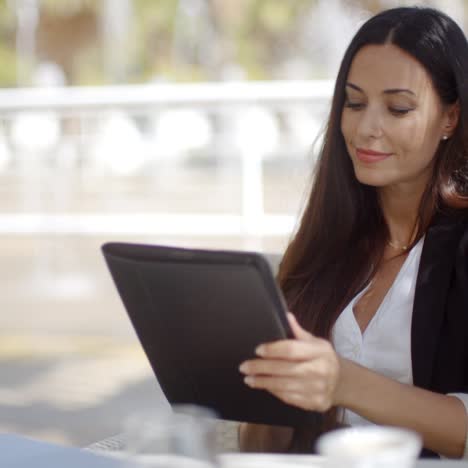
pixel 377 274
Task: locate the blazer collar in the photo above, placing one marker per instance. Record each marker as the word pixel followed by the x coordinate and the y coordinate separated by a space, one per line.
pixel 437 262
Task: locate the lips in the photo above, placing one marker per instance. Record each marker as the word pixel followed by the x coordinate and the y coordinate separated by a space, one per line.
pixel 371 156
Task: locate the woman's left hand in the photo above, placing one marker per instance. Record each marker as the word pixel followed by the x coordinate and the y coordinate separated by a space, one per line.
pixel 303 372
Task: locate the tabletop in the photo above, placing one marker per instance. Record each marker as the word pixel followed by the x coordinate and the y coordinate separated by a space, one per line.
pixel 21 452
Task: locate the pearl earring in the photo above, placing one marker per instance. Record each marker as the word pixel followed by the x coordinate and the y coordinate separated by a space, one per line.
pixel 445 137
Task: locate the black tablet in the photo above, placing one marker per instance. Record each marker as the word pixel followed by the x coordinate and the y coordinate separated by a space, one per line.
pixel 198 315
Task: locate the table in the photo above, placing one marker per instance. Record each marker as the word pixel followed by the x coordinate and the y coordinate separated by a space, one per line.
pixel 20 452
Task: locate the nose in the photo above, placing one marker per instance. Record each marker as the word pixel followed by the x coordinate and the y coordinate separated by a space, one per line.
pixel 370 123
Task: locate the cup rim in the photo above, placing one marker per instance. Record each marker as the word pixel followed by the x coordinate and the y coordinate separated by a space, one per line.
pixel 411 441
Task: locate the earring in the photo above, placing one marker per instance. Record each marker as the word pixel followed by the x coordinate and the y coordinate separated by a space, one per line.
pixel 445 137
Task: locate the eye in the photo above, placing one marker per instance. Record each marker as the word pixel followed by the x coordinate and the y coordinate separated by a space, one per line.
pixel 399 111
pixel 354 105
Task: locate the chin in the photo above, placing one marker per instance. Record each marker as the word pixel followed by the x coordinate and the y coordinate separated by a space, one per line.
pixel 375 178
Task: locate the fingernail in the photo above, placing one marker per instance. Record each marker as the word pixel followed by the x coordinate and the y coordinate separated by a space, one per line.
pixel 249 380
pixel 260 350
pixel 243 367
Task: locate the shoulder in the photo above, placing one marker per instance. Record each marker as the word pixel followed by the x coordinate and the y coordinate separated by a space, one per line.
pixel 447 237
pixel 453 221
pixel 462 226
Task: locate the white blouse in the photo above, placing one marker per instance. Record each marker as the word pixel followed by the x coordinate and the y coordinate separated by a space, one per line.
pixel 385 345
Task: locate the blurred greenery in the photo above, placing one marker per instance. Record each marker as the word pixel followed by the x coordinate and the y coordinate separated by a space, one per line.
pixel 253 33
pixel 67 7
pixel 164 40
pixel 7 66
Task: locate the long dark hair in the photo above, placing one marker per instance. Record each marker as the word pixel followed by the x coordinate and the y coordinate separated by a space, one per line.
pixel 342 234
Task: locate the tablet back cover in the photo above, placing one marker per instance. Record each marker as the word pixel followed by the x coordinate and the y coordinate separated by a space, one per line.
pixel 198 315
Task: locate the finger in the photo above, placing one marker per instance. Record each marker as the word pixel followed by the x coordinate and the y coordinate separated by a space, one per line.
pixel 317 369
pixel 295 350
pixel 299 332
pixel 280 384
pixel 314 403
pixel 273 384
pixel 294 399
pixel 272 367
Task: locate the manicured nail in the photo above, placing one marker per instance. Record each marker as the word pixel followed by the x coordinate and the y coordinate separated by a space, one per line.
pixel 243 367
pixel 260 350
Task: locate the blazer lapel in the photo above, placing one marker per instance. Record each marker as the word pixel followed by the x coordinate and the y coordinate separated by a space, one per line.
pixel 433 281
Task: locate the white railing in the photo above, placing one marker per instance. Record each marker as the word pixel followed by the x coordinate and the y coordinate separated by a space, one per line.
pixel 273 94
pixel 87 107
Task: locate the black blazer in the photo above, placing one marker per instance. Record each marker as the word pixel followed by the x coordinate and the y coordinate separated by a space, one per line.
pixel 439 329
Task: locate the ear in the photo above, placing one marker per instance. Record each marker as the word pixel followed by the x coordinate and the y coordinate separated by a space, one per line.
pixel 451 120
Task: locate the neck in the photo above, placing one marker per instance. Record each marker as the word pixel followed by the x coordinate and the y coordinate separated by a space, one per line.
pixel 400 207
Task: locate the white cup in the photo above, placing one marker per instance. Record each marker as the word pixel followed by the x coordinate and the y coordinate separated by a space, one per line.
pixel 182 438
pixel 370 447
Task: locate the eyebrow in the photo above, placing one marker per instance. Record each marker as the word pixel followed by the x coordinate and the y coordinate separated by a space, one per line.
pixel 386 91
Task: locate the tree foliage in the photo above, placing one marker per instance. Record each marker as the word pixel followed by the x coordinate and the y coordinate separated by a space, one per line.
pixel 167 41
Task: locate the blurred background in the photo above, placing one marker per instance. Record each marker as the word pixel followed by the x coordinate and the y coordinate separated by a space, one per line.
pixel 181 122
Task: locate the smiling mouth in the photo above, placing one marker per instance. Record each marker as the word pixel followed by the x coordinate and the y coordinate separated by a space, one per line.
pixel 370 156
